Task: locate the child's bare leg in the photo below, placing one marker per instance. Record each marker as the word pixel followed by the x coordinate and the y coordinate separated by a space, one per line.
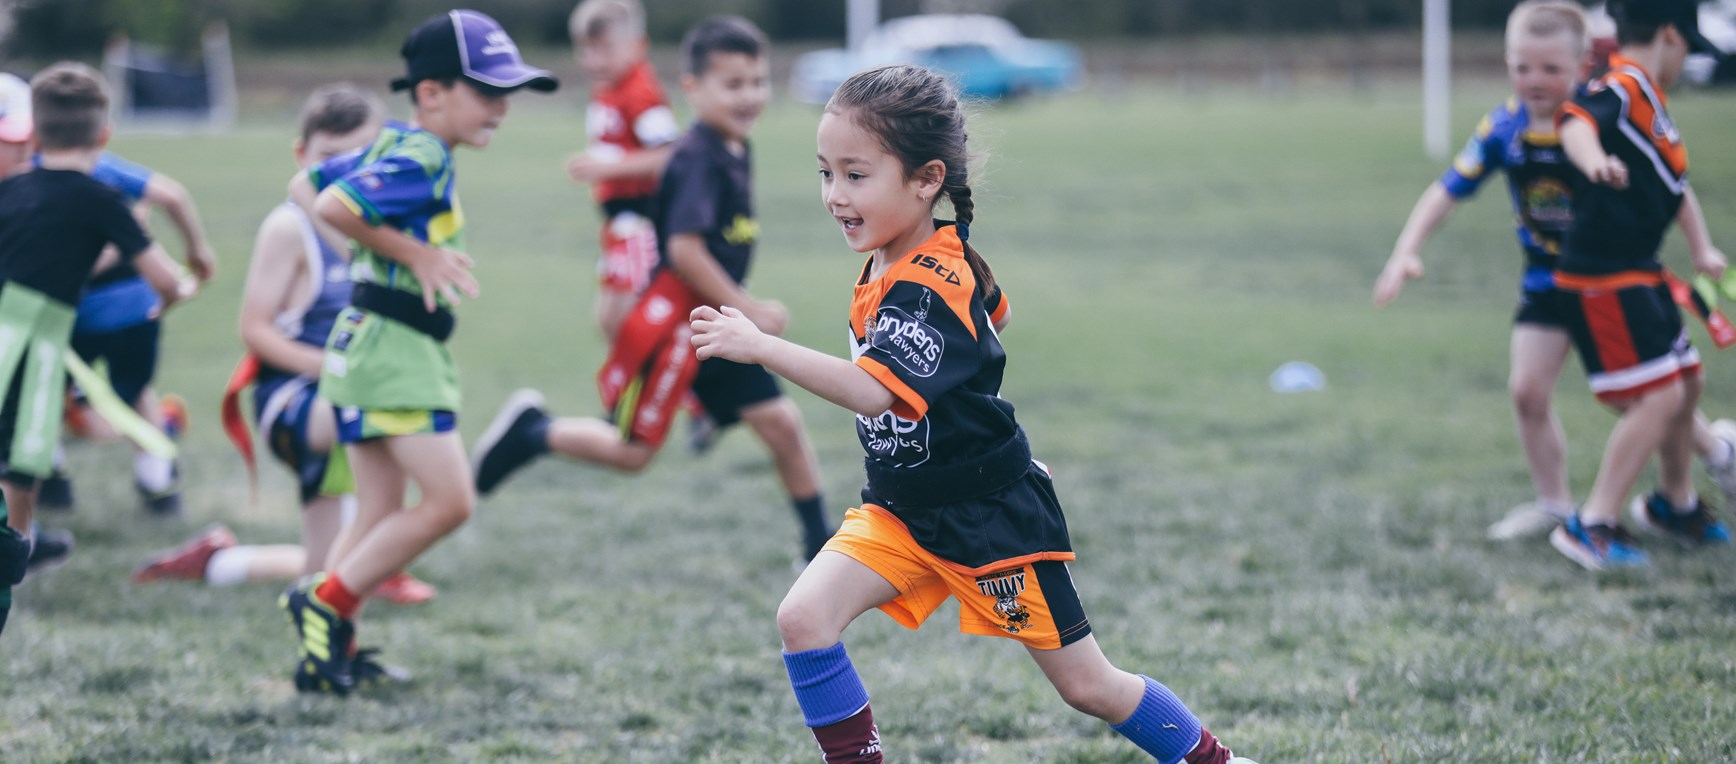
pixel 380 488
pixel 437 463
pixel 598 442
pixel 828 596
pixel 1537 356
pixel 1637 435
pixel 20 505
pixel 1138 707
pixel 1087 681
pixel 831 592
pixel 778 423
pixel 1676 452
pixel 612 309
pixel 322 520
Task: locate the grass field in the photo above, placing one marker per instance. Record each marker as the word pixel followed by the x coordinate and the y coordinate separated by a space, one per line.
pixel 1307 571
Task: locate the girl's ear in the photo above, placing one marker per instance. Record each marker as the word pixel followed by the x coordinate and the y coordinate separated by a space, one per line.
pixel 929 178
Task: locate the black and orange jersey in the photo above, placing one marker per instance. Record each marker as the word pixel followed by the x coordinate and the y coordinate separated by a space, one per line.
pixel 948 460
pixel 1616 230
pixel 921 329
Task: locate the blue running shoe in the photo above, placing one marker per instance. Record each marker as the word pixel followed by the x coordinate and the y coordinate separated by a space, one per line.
pixel 327 641
pixel 1698 527
pixel 1597 546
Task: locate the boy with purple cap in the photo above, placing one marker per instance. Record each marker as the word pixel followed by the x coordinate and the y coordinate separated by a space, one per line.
pixel 387 369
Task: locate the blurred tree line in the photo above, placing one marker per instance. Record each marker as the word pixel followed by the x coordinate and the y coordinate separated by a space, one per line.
pixel 53 28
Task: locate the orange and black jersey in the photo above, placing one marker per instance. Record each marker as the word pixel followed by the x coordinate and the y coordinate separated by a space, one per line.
pixel 948 460
pixel 924 333
pixel 1620 230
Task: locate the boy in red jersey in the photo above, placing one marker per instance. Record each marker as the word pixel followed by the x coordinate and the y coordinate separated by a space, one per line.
pixel 630 128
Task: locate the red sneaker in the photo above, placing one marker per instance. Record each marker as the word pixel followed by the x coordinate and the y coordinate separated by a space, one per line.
pixel 404 589
pixel 187 562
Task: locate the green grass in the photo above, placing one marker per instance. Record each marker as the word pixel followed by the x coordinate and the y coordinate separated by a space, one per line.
pixel 1308 572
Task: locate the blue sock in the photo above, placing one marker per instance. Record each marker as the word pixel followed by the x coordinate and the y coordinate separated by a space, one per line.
pixel 1161 725
pixel 826 684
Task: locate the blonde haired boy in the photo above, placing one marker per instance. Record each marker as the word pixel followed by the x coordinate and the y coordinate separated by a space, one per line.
pixel 1547 48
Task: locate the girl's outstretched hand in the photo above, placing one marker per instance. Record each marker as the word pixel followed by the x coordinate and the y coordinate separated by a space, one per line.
pixel 725 334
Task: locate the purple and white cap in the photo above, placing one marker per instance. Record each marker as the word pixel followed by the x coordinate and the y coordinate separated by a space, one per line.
pixel 468 44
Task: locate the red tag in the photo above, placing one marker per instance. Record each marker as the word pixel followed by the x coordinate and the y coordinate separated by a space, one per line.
pixel 1718 325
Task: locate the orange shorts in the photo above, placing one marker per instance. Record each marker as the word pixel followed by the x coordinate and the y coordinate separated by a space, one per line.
pixel 1029 600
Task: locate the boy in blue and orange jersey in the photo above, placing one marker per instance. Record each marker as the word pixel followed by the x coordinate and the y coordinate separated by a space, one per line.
pixel 1546 50
pixel 387 368
pixel 706 232
pixel 630 128
pixel 1611 289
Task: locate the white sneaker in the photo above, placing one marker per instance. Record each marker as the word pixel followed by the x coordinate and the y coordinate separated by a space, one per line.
pixel 1533 518
pixel 1725 477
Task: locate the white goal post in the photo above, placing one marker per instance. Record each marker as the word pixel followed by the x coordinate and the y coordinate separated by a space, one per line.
pixel 1437 78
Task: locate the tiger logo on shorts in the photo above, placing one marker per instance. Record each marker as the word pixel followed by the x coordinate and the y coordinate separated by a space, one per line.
pixel 1006 586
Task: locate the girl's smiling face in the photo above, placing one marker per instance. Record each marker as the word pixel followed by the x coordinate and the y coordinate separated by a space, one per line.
pixel 877 204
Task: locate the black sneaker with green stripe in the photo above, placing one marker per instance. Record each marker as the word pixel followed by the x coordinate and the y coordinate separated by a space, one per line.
pixel 326 640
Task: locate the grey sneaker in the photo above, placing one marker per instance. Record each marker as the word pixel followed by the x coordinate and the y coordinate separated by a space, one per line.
pixel 1533 518
pixel 1725 431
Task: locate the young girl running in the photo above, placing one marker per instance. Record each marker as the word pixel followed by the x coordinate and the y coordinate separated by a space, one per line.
pixel 955 506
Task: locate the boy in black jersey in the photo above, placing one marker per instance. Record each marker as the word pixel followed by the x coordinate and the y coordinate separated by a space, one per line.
pixel 1619 311
pixel 54 222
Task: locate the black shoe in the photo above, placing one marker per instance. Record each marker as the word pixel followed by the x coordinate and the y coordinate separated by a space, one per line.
pixel 56 492
pixel 52 550
pixel 325 640
pixel 702 433
pixel 14 556
pixel 813 545
pixel 511 441
pixel 368 671
pixel 164 503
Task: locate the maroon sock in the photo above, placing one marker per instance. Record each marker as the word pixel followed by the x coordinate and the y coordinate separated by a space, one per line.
pixel 853 741
pixel 1208 751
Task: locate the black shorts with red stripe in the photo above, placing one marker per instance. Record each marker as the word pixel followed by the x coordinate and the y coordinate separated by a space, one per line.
pixel 1627 329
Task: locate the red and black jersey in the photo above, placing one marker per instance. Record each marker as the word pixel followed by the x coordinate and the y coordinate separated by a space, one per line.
pixel 630 114
pixel 1616 230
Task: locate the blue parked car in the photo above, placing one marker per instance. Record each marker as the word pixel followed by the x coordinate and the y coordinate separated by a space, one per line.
pixel 985 55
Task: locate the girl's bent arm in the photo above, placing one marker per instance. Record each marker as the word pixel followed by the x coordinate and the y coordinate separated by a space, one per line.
pixel 827 376
pixel 729 334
